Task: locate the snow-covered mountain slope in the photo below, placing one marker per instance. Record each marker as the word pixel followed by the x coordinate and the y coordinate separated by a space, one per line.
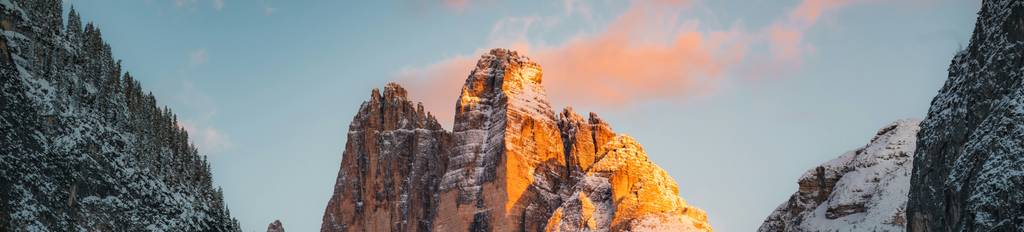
pixel 82 147
pixel 969 168
pixel 510 164
pixel 862 190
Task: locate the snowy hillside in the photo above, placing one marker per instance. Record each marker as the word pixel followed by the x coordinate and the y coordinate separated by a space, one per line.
pixel 862 190
pixel 83 147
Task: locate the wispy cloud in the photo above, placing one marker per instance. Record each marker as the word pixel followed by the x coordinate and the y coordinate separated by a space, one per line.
pixel 218 4
pixel 198 57
pixel 215 4
pixel 786 35
pixel 210 140
pixel 457 5
pixel 649 52
pixel 642 54
pixel 197 116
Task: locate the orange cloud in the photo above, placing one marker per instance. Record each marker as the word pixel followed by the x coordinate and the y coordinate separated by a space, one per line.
pixel 643 54
pixel 785 36
pixel 809 10
pixel 457 5
pixel 438 85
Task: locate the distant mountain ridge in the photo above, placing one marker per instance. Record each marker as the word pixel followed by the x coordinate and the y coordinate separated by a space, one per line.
pixel 510 164
pixel 861 190
pixel 83 147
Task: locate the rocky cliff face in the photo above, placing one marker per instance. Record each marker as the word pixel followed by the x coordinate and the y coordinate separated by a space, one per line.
pixel 391 167
pixel 275 226
pixel 969 168
pixel 862 190
pixel 510 164
pixel 82 147
pixel 507 165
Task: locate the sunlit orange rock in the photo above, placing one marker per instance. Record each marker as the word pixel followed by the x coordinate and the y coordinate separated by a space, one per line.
pixel 583 138
pixel 510 164
pixel 507 162
pixel 624 191
pixel 391 167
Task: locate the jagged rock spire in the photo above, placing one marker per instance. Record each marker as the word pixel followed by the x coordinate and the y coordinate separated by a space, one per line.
pixel 508 163
pixel 275 226
pixel 390 169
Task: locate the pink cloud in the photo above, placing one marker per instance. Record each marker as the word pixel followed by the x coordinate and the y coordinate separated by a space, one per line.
pixel 630 61
pixel 457 5
pixel 809 10
pixel 786 35
pixel 644 54
pixel 207 139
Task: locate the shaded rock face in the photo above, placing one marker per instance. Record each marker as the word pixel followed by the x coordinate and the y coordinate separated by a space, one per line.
pixel 510 164
pixel 275 226
pixel 969 168
pixel 391 166
pixel 862 190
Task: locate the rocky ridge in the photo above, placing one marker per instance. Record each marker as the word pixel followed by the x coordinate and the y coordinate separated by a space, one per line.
pixel 861 190
pixel 969 169
pixel 510 164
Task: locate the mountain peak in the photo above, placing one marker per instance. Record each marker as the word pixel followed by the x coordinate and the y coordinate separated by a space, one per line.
pixel 505 80
pixel 502 57
pixel 275 226
pixel 508 164
pixel 394 91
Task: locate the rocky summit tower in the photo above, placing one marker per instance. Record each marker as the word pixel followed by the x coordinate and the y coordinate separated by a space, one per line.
pixel 509 164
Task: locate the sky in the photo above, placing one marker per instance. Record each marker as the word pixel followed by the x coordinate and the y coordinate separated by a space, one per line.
pixel 735 99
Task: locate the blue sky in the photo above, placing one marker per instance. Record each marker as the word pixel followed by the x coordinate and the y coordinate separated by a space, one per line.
pixel 744 96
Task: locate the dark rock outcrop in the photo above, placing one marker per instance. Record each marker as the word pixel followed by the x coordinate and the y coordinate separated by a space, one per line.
pixel 275 226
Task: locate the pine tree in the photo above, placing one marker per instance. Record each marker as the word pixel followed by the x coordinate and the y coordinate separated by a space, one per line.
pixel 74 28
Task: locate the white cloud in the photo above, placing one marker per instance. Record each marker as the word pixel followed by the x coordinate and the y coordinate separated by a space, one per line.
pixel 207 138
pixel 195 116
pixel 198 57
pixel 181 3
pixel 218 4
